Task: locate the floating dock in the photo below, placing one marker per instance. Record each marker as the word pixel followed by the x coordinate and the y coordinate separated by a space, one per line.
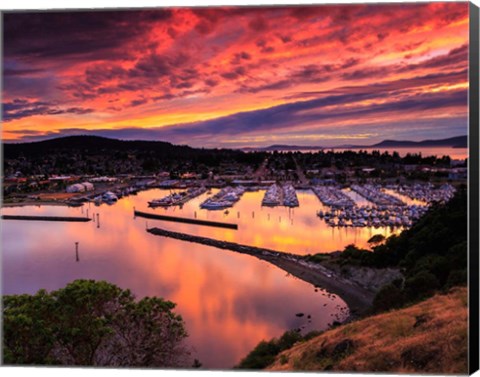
pixel 46 218
pixel 178 199
pixel 186 220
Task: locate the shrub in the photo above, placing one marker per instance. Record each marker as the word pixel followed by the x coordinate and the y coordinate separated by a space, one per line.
pixel 388 297
pixel 92 323
pixel 420 286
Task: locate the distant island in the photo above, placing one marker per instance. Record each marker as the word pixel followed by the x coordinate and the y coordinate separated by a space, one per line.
pixel 453 142
pixel 281 147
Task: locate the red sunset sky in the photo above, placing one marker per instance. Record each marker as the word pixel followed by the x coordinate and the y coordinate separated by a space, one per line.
pixel 241 76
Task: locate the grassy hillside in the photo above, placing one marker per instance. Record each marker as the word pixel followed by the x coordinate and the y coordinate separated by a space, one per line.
pixel 429 337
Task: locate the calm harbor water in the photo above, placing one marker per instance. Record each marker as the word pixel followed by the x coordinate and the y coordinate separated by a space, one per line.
pixel 229 301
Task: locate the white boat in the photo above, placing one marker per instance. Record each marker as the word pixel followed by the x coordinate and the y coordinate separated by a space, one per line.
pixel 109 197
pixel 216 205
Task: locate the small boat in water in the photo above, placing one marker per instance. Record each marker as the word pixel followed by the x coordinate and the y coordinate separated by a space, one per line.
pixel 109 197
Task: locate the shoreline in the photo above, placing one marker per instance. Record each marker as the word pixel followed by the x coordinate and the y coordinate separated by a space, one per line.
pixel 359 299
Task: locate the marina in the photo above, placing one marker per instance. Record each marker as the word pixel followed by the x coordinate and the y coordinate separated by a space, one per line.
pixel 369 216
pixel 386 207
pixel 356 206
pixel 374 194
pixel 225 198
pixel 273 196
pixel 425 193
pixel 289 196
pixel 179 198
pixel 333 197
pixel 277 195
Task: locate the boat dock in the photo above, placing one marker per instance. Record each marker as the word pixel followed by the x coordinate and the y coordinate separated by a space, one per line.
pixel 376 195
pixel 333 197
pixel 178 199
pixel 186 220
pixel 289 196
pixel 46 218
pixel 273 196
pixel 280 195
pixel 225 198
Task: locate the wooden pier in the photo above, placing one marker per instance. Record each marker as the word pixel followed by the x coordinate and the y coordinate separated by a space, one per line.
pixel 186 220
pixel 46 218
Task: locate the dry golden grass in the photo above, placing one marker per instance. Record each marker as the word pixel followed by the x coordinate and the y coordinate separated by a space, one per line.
pixel 430 337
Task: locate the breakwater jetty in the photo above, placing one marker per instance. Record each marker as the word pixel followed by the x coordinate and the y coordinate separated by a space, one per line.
pixel 357 297
pixel 46 218
pixel 186 220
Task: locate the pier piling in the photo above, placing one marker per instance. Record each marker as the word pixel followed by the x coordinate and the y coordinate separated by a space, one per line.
pixel 76 252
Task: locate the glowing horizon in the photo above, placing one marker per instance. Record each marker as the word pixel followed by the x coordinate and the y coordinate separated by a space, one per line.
pixel 239 76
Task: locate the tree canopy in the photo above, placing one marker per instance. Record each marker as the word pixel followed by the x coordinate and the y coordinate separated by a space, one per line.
pixel 92 323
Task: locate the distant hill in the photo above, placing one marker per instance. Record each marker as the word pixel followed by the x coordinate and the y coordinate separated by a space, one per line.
pixel 453 142
pixel 280 147
pixel 88 143
pixel 100 155
pixel 98 143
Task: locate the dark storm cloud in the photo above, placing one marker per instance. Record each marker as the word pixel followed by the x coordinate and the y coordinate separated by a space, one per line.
pixel 391 87
pixel 7 72
pixel 364 73
pixel 455 57
pixel 138 102
pixel 240 57
pixel 20 108
pixel 311 73
pixel 74 34
pixel 172 71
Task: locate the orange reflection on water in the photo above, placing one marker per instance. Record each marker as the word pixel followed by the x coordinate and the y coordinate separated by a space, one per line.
pixel 296 230
pixel 229 301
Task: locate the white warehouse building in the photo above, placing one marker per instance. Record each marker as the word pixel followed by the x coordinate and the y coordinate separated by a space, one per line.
pixel 80 187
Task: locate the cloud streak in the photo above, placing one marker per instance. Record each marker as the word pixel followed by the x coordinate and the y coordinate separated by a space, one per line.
pixel 18 109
